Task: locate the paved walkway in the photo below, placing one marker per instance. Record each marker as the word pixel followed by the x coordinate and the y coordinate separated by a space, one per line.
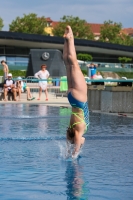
pixel 53 101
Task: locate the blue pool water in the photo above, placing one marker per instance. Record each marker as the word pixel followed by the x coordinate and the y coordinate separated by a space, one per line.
pixel 32 164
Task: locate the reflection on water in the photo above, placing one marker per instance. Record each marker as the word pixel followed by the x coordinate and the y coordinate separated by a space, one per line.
pixel 64 114
pixel 77 188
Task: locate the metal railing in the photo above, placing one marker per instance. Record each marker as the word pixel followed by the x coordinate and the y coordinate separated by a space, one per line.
pixel 108 65
pixel 54 83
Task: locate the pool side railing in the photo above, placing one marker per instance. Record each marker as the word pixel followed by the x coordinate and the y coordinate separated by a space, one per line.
pixel 55 83
pixel 59 85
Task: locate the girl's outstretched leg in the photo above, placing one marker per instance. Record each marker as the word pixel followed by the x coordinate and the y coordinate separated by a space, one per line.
pixel 71 53
pixel 79 87
pixel 68 69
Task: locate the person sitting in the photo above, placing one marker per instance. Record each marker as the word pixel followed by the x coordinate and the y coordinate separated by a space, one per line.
pixel 18 88
pixel 24 88
pixel 9 87
pixel 99 76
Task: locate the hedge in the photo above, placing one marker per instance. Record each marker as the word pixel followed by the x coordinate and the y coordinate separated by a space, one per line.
pixel 15 73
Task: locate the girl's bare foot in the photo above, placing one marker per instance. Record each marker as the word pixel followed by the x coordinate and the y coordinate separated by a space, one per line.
pixel 71 53
pixel 68 33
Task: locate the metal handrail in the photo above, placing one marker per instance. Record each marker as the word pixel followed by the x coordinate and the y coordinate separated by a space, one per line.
pixel 87 80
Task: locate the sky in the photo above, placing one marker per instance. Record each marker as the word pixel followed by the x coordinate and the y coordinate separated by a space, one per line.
pixel 93 11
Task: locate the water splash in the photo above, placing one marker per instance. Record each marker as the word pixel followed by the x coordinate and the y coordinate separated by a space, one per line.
pixel 66 151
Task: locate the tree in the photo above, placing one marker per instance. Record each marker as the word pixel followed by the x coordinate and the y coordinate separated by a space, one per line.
pixel 80 27
pixel 125 39
pixel 131 41
pixel 124 59
pixel 1 23
pixel 84 57
pixel 112 32
pixel 29 24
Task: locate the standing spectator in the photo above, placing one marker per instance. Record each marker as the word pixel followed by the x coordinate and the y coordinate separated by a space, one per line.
pixel 42 74
pixel 5 69
pixel 9 87
pixel 93 69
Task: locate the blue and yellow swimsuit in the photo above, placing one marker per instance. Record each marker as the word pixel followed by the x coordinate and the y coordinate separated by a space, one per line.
pixel 81 105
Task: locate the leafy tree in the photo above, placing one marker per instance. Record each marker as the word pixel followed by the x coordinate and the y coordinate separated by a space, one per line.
pixel 125 39
pixel 124 59
pixel 1 23
pixel 131 41
pixel 29 24
pixel 84 57
pixel 80 27
pixel 111 32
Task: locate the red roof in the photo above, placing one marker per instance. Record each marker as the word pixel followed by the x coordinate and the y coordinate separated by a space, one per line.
pixel 54 23
pixel 128 31
pixel 95 28
pixel 48 19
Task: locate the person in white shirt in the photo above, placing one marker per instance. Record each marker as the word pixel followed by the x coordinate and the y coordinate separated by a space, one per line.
pixel 9 87
pixel 99 76
pixel 42 74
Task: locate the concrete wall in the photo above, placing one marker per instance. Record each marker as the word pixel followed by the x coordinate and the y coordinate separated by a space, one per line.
pixel 94 99
pixel 111 101
pixel 117 101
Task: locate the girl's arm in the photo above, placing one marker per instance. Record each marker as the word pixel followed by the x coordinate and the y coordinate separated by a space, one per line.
pixel 77 143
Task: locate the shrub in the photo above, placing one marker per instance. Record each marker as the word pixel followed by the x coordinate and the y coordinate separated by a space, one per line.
pixel 15 73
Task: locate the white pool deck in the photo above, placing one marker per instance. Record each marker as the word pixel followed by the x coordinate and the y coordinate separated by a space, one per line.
pixel 52 100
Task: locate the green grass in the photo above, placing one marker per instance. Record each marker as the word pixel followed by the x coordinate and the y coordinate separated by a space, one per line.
pixel 128 75
pixel 15 73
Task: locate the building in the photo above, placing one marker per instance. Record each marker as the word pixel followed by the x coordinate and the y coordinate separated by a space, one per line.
pixel 128 31
pixel 15 48
pixel 95 28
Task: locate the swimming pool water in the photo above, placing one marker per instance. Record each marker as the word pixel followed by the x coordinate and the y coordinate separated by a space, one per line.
pixel 32 164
